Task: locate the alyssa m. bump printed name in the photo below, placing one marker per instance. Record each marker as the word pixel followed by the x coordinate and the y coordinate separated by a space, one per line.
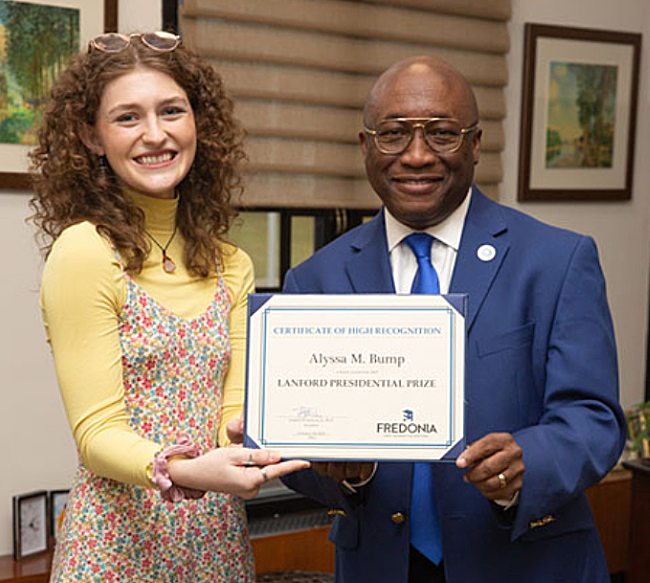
pixel 324 360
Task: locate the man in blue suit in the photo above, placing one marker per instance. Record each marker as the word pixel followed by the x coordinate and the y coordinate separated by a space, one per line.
pixel 542 416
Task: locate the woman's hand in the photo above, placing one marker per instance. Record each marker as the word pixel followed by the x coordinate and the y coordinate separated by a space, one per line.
pixel 234 470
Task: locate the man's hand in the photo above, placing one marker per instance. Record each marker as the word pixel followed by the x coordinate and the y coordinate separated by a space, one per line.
pixel 494 465
pixel 351 471
pixel 235 431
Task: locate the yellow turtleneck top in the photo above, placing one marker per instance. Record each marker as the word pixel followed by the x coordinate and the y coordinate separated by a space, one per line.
pixel 82 292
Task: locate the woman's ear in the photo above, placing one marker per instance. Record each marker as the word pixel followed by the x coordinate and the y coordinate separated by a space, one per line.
pixel 88 136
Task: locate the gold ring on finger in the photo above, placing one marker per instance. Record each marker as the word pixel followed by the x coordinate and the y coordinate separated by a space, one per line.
pixel 502 481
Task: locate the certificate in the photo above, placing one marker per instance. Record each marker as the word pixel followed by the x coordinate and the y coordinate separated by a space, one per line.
pixel 356 377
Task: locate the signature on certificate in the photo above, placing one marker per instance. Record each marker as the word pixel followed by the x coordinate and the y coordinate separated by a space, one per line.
pixel 307 412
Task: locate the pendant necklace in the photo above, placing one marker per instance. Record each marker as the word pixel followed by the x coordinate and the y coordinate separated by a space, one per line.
pixel 168 264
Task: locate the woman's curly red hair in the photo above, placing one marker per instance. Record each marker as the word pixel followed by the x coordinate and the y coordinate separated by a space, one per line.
pixel 72 184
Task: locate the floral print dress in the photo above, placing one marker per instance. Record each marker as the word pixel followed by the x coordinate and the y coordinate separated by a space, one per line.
pixel 173 373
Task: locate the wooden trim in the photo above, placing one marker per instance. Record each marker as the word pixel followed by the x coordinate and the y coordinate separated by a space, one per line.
pixel 308 550
pixel 110 15
pixel 170 15
pixel 15 181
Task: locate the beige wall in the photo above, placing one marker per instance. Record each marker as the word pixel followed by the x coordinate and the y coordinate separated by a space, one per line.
pixel 37 449
pixel 38 452
pixel 620 229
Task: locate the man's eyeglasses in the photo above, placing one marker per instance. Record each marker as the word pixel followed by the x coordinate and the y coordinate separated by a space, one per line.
pixel 113 42
pixel 444 135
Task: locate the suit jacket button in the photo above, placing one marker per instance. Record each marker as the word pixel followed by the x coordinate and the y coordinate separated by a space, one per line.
pixel 398 518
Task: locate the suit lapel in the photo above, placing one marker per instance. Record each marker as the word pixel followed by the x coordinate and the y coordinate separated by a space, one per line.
pixel 368 268
pixel 484 236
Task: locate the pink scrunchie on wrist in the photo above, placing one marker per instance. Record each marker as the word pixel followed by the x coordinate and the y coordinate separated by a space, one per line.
pixel 160 473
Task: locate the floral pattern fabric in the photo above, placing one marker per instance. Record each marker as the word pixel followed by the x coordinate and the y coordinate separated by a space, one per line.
pixel 113 532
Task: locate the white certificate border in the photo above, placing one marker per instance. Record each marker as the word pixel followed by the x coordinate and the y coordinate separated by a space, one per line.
pixel 252 410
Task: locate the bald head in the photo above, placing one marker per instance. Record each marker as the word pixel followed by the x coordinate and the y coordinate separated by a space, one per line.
pixel 421 74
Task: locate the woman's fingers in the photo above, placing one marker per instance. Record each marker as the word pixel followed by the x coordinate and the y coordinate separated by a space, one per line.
pixel 274 471
pixel 257 457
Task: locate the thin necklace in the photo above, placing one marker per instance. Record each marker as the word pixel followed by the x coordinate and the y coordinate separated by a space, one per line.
pixel 167 263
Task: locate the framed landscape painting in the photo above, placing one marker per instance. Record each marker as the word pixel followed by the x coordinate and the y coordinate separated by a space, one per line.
pixel 579 107
pixel 37 40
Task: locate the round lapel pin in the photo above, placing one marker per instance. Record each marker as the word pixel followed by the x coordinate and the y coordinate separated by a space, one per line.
pixel 486 253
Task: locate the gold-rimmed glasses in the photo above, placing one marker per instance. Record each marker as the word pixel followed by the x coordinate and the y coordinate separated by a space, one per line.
pixel 113 42
pixel 444 135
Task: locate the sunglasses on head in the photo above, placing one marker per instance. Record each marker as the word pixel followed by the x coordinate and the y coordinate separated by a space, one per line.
pixel 113 42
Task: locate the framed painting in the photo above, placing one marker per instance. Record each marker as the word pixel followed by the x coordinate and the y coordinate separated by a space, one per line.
pixel 578 119
pixel 37 38
pixel 58 501
pixel 638 429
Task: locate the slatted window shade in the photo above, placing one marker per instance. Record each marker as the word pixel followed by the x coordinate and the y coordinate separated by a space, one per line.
pixel 300 71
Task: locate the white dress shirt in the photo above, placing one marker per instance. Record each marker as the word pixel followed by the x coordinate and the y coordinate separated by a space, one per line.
pixel 444 248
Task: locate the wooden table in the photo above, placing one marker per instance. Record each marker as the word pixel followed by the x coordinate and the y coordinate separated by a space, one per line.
pixel 34 569
pixel 610 501
pixel 639 556
pixel 305 550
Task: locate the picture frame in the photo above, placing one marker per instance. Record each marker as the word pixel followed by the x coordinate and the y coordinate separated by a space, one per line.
pixel 58 501
pixel 30 524
pixel 96 16
pixel 638 429
pixel 579 109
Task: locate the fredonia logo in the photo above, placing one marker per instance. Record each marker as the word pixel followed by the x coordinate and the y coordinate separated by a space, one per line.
pixel 408 425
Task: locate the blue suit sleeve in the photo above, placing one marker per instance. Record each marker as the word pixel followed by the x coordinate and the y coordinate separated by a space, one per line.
pixel 582 429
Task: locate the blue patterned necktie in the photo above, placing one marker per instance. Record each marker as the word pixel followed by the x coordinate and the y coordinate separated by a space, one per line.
pixel 425 522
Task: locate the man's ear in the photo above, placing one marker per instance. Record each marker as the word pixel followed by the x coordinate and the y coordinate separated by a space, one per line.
pixel 362 141
pixel 88 136
pixel 476 144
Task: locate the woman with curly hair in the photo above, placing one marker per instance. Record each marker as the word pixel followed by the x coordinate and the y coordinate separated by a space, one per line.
pixel 144 304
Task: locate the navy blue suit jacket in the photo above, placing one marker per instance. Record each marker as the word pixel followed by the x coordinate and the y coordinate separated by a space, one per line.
pixel 541 364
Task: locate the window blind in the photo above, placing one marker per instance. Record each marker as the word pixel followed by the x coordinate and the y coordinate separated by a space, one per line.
pixel 300 70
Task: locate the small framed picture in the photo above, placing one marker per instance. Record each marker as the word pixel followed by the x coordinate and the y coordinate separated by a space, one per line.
pixel 31 525
pixel 58 501
pixel 580 93
pixel 638 429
